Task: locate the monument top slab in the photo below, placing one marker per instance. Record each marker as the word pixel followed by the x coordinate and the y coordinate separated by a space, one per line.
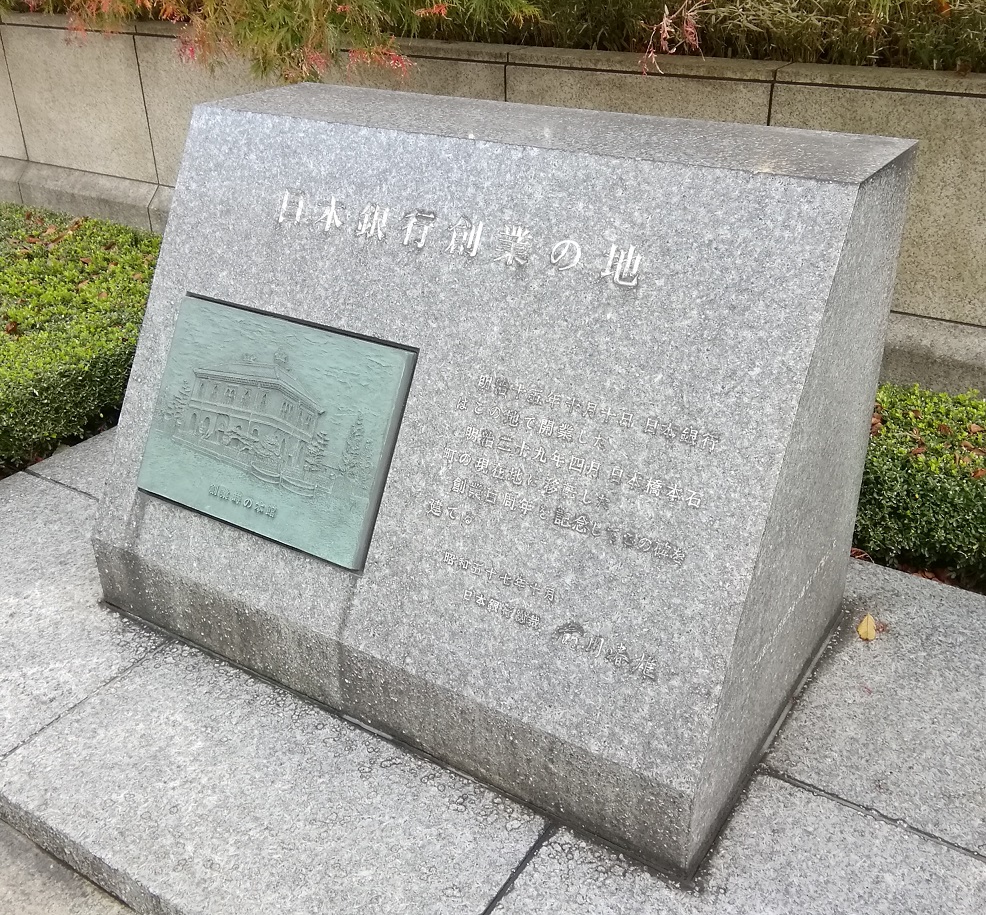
pixel 576 403
pixel 822 156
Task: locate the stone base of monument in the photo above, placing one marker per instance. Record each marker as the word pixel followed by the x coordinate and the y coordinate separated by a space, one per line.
pixel 531 437
pixel 183 785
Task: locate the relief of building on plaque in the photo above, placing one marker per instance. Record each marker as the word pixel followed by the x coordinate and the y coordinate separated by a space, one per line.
pixel 258 417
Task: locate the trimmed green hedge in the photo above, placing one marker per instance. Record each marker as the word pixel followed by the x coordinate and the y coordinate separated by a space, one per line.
pixel 72 295
pixel 923 500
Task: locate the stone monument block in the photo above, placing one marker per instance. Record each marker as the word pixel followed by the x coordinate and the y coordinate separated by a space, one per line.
pixel 531 436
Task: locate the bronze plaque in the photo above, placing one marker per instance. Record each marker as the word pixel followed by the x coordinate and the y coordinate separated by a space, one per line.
pixel 283 428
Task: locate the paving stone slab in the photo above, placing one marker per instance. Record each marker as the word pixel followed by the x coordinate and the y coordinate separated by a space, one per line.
pixel 897 724
pixel 58 643
pixel 83 466
pixel 34 883
pixel 785 851
pixel 190 786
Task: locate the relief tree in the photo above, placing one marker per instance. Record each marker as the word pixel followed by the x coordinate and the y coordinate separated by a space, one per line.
pixel 176 409
pixel 315 453
pixel 355 461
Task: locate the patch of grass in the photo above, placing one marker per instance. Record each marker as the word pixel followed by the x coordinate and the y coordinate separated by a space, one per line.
pixel 72 296
pixel 923 499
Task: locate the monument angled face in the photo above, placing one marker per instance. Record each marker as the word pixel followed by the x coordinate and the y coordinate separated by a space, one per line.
pixel 565 418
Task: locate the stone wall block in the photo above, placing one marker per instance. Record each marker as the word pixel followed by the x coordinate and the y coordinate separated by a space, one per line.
pixel 159 208
pixel 427 75
pixel 11 139
pixel 80 101
pixel 120 200
pixel 10 176
pixel 738 101
pixel 942 271
pixel 173 87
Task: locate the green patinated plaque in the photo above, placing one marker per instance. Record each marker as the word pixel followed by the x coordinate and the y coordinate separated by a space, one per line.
pixel 282 428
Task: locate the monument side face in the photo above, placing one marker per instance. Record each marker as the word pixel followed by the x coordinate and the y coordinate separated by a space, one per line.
pixel 602 544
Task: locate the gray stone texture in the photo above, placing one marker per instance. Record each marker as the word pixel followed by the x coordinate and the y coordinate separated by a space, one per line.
pixel 457 50
pixel 941 275
pixel 784 851
pixel 939 355
pixel 159 28
pixel 938 81
pixel 34 883
pixel 768 258
pixel 943 272
pixel 666 64
pixel 173 86
pixel 735 91
pixel 39 20
pixel 10 176
pixel 84 194
pixel 896 725
pixel 802 561
pixel 188 786
pixel 58 642
pixel 469 78
pixel 11 138
pixel 83 467
pixel 160 207
pixel 83 108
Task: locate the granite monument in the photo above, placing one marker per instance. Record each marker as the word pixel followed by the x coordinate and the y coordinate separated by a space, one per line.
pixel 530 436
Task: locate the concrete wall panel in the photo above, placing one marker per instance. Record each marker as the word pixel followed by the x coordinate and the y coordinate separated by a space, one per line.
pixel 80 100
pixel 942 270
pixel 120 200
pixel 173 87
pixel 686 87
pixel 11 139
pixel 428 75
pixel 668 96
pixel 11 171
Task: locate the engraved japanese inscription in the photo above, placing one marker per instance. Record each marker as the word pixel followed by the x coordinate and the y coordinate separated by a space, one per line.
pixel 282 428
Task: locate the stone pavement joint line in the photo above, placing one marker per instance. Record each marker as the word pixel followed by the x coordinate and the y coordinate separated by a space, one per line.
pixel 34 882
pixel 188 784
pixel 81 492
pixel 869 812
pixel 549 831
pixel 784 851
pixel 897 724
pixel 68 711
